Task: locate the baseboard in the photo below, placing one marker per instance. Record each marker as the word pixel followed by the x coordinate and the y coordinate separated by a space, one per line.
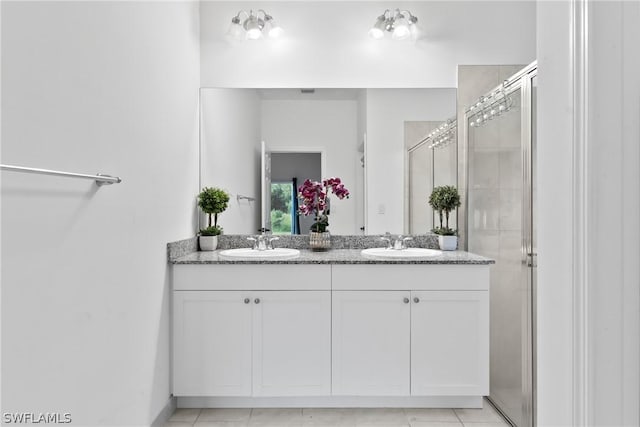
pixel 165 413
pixel 332 402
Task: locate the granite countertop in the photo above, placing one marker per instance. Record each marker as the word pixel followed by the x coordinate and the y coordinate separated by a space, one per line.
pixel 335 256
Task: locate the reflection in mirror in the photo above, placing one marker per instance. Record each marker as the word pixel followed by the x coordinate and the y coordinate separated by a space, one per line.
pixel 359 135
pixel 431 162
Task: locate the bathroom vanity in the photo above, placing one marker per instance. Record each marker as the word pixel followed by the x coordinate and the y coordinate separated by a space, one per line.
pixel 331 329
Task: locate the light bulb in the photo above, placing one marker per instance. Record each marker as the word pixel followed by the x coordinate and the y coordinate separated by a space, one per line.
pixel 377 31
pixel 253 26
pixel 271 28
pixel 400 31
pixel 275 32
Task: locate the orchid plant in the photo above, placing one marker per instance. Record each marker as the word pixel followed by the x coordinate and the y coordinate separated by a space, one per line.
pixel 314 200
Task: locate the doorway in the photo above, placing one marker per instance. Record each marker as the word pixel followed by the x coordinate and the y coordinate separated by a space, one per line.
pixel 288 172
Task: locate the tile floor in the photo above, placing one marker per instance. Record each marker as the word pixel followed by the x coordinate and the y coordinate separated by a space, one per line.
pixel 328 417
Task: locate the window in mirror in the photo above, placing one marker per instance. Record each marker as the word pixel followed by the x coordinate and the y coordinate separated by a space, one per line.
pixel 283 208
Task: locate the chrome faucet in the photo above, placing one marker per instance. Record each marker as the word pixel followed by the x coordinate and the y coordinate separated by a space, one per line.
pixel 387 238
pixel 262 242
pixel 399 242
pixel 395 242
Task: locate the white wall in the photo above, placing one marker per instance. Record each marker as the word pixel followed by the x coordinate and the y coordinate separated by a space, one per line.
pixel 94 87
pixel 326 44
pixel 589 158
pixel 326 126
pixel 230 156
pixel 387 110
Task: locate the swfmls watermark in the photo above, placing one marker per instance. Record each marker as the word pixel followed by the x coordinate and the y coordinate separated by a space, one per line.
pixel 36 417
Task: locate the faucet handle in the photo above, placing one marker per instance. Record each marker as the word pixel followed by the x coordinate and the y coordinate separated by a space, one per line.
pixel 254 240
pixel 270 242
pixel 387 238
pixel 404 240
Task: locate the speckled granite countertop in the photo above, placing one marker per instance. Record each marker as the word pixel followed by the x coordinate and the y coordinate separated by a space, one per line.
pixel 336 256
pixel 186 252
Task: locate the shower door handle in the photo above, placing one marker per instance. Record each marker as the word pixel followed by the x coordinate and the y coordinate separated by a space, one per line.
pixel 532 259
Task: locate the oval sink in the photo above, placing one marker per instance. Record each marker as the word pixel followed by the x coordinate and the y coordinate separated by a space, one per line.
pixel 249 253
pixel 402 253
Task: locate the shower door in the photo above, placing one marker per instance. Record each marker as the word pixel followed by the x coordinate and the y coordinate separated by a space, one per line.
pixel 500 226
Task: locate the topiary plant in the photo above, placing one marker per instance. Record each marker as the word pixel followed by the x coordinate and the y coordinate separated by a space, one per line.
pixel 444 199
pixel 212 201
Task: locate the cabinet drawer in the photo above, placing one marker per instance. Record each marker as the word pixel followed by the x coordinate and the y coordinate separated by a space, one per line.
pixel 427 277
pixel 219 277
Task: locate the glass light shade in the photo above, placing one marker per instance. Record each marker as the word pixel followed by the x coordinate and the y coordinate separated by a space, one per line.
pixel 401 29
pixel 271 28
pixel 236 31
pixel 275 32
pixel 377 31
pixel 253 26
pixel 416 32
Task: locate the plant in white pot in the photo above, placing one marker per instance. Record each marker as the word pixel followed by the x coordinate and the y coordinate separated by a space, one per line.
pixel 443 200
pixel 212 201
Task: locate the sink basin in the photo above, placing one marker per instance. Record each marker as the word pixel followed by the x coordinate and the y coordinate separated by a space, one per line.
pixel 249 253
pixel 402 253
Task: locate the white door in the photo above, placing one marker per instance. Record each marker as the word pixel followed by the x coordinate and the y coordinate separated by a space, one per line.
pixel 212 343
pixel 291 343
pixel 449 343
pixel 370 336
pixel 265 182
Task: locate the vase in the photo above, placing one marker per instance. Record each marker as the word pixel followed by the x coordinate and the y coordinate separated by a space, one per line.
pixel 448 243
pixel 208 243
pixel 319 241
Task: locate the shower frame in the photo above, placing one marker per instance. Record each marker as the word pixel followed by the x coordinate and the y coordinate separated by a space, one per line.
pixel 522 80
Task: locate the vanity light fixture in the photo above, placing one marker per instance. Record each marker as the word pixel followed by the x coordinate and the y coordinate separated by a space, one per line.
pixel 254 26
pixel 401 24
pixel 443 135
pixel 489 107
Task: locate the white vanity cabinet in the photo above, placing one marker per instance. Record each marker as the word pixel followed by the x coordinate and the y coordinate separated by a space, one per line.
pixel 449 343
pixel 212 343
pixel 410 330
pixel 371 343
pixel 253 340
pixel 331 334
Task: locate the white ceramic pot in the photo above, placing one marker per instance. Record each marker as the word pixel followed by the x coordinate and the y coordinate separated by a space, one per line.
pixel 208 243
pixel 448 243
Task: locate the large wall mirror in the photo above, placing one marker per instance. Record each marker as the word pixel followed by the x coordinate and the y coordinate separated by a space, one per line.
pixel 373 139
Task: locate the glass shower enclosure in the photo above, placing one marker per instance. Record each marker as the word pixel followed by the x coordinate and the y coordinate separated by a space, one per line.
pixel 500 224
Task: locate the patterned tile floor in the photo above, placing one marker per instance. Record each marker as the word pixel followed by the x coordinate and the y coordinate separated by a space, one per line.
pixel 339 417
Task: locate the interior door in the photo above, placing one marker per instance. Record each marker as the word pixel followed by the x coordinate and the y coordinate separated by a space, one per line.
pixel 265 181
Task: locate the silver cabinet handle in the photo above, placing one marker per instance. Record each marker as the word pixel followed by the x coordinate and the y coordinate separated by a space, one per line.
pixel 247 300
pixel 257 300
pixel 406 300
pixel 416 300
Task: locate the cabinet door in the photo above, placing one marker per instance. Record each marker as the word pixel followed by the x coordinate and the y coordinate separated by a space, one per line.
pixel 291 343
pixel 371 343
pixel 450 343
pixel 212 343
